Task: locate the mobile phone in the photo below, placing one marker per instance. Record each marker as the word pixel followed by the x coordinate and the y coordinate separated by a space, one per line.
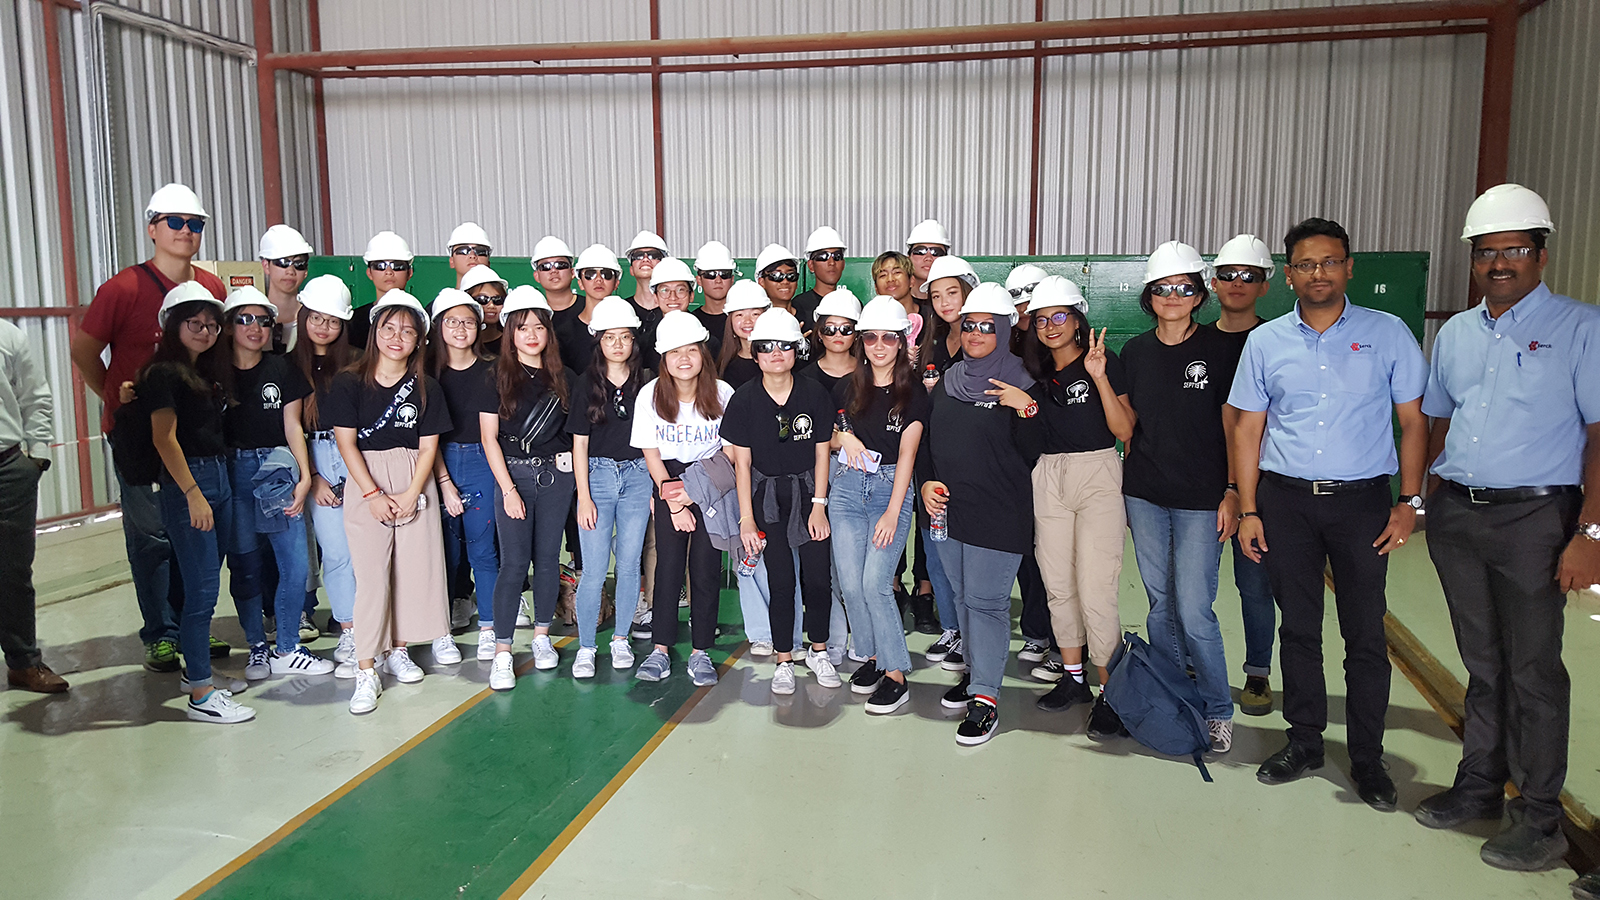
pixel 870 460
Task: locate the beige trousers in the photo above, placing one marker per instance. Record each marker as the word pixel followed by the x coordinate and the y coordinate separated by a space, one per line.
pixel 1078 521
pixel 400 584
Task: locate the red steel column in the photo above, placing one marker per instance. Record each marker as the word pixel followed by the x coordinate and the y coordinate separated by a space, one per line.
pixel 267 108
pixel 655 122
pixel 1033 152
pixel 1499 72
pixel 324 188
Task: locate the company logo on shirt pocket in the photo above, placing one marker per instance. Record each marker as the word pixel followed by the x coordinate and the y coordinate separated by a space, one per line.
pixel 802 428
pixel 271 397
pixel 1078 391
pixel 406 416
pixel 1357 348
pixel 1536 346
pixel 1195 376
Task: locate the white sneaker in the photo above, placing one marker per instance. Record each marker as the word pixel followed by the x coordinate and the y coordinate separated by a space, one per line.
pixel 502 676
pixel 346 669
pixel 621 654
pixel 369 687
pixel 1221 734
pixel 761 648
pixel 301 662
pixel 346 650
pixel 544 654
pixel 583 666
pixel 819 663
pixel 218 707
pixel 258 664
pixel 219 681
pixel 485 644
pixel 445 651
pixel 783 679
pixel 523 619
pixel 401 666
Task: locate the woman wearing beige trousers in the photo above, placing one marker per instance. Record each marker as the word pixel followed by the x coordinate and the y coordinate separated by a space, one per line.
pixel 387 417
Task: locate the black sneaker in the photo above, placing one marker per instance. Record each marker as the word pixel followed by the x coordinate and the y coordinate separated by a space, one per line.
pixel 1068 691
pixel 954 661
pixel 924 614
pixel 958 696
pixel 947 639
pixel 890 696
pixel 1049 670
pixel 867 678
pixel 979 726
pixel 1104 723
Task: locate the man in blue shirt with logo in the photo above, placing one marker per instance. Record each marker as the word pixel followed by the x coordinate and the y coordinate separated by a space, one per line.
pixel 1313 453
pixel 1514 393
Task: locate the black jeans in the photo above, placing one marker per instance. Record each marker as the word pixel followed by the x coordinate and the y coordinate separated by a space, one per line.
pixel 1034 622
pixel 1498 566
pixel 1305 533
pixel 678 552
pixel 815 575
pixel 536 537
pixel 19 498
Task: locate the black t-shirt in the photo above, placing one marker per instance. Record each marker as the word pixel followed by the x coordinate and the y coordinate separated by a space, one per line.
pixel 976 451
pixel 1236 339
pixel 492 347
pixel 716 324
pixel 322 372
pixel 548 427
pixel 468 392
pixel 255 420
pixel 828 382
pixel 353 404
pixel 646 338
pixel 741 371
pixel 805 308
pixel 1071 417
pixel 610 437
pixel 874 426
pixel 572 334
pixel 1178 457
pixel 754 420
pixel 200 429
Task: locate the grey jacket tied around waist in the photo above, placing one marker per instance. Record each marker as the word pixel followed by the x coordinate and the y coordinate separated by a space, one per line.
pixel 712 485
pixel 764 494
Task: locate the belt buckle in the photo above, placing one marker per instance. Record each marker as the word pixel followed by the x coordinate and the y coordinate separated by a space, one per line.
pixel 1316 488
pixel 1472 495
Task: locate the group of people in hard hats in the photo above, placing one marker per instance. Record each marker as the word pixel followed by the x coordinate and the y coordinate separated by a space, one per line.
pixel 443 449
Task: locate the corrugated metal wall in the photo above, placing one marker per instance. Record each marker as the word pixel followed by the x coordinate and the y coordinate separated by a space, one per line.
pixel 1555 135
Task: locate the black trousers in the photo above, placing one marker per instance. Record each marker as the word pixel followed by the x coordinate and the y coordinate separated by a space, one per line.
pixel 678 552
pixel 19 498
pixel 1305 533
pixel 815 576
pixel 1498 566
pixel 1035 620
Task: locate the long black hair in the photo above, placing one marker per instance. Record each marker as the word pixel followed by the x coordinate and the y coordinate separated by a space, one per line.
pixel 205 374
pixel 367 365
pixel 1038 359
pixel 304 356
pixel 861 386
pixel 511 374
pixel 600 386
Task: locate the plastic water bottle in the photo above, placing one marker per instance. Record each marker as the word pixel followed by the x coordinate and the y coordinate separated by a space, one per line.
pixel 939 522
pixel 930 376
pixel 842 423
pixel 747 565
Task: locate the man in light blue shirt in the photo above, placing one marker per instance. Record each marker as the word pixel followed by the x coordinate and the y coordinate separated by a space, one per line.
pixel 1313 451
pixel 1514 392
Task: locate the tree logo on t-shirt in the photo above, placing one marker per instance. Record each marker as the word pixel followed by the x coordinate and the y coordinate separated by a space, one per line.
pixel 406 416
pixel 271 397
pixel 1078 392
pixel 802 427
pixel 1194 375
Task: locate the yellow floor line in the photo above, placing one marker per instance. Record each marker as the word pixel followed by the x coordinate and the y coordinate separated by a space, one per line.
pixel 271 840
pixel 521 885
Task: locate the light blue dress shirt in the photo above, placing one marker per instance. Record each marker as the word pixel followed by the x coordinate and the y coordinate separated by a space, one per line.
pixel 1329 397
pixel 1518 391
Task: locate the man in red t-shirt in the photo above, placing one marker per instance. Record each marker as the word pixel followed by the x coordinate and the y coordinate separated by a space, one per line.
pixel 123 318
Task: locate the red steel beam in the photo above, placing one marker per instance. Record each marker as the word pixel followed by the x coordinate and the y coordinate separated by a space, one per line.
pixel 657 127
pixel 319 105
pixel 42 312
pixel 1035 138
pixel 1494 124
pixel 267 108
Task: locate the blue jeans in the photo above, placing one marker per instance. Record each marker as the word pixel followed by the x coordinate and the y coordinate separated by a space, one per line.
pixel 981 580
pixel 198 555
pixel 621 491
pixel 865 572
pixel 474 528
pixel 1259 609
pixel 327 523
pixel 1178 554
pixel 244 558
pixel 157 584
pixel 944 596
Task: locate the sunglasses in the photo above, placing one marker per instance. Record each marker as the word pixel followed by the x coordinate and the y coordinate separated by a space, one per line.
pixel 1018 293
pixel 177 223
pixel 602 274
pixel 718 275
pixel 655 255
pixel 832 330
pixel 1248 276
pixel 390 265
pixel 1173 290
pixel 970 325
pixel 487 299
pixel 929 251
pixel 553 265
pixel 827 256
pixel 1059 318
pixel 298 263
pixel 785 427
pixel 265 320
pixel 201 326
pixel 779 277
pixel 888 338
pixel 470 250
pixel 618 405
pixel 774 346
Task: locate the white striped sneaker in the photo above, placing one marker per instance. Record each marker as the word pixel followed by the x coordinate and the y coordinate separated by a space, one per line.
pixel 301 662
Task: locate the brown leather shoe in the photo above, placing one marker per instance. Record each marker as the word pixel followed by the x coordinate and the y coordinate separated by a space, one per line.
pixel 38 679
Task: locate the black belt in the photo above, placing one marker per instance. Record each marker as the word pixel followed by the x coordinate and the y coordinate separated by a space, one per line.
pixel 1324 488
pixel 321 435
pixel 1481 495
pixel 534 461
pixel 9 452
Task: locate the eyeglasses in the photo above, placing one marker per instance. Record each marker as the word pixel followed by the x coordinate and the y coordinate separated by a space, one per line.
pixel 827 256
pixel 780 277
pixel 1510 254
pixel 177 223
pixel 618 405
pixel 617 340
pixel 454 323
pixel 488 299
pixel 477 250
pixel 390 332
pixel 841 330
pixel 201 326
pixel 1018 293
pixel 930 250
pixel 265 320
pixel 298 263
pixel 1169 290
pixel 1059 318
pixel 322 321
pixel 774 346
pixel 1248 276
pixel 970 325
pixel 602 274
pixel 553 265
pixel 655 255
pixel 887 338
pixel 390 265
pixel 718 275
pixel 1306 268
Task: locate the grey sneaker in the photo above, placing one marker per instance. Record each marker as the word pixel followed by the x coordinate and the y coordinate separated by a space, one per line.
pixel 701 671
pixel 655 667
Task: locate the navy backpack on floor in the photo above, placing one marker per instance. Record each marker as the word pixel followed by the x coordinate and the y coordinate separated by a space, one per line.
pixel 1157 702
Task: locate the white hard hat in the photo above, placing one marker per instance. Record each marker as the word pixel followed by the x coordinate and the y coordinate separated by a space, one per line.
pixel 714 256
pixel 184 293
pixel 928 231
pixel 883 314
pixel 450 298
pixel 551 247
pixel 613 312
pixel 991 298
pixel 1506 207
pixel 480 275
pixel 1173 258
pixel 745 294
pixel 1245 250
pixel 174 199
pixel 1057 290
pixel 281 241
pixel 679 329
pixel 824 238
pixel 646 240
pixel 598 256
pixel 777 325
pixel 397 297
pixel 387 245
pixel 523 296
pixel 840 302
pixel 669 270
pixel 771 255
pixel 468 233
pixel 329 295
pixel 249 295
pixel 1022 276
pixel 952 267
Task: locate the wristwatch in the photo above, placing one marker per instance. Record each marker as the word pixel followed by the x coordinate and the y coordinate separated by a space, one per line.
pixel 1590 530
pixel 1029 411
pixel 1412 500
pixel 820 501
